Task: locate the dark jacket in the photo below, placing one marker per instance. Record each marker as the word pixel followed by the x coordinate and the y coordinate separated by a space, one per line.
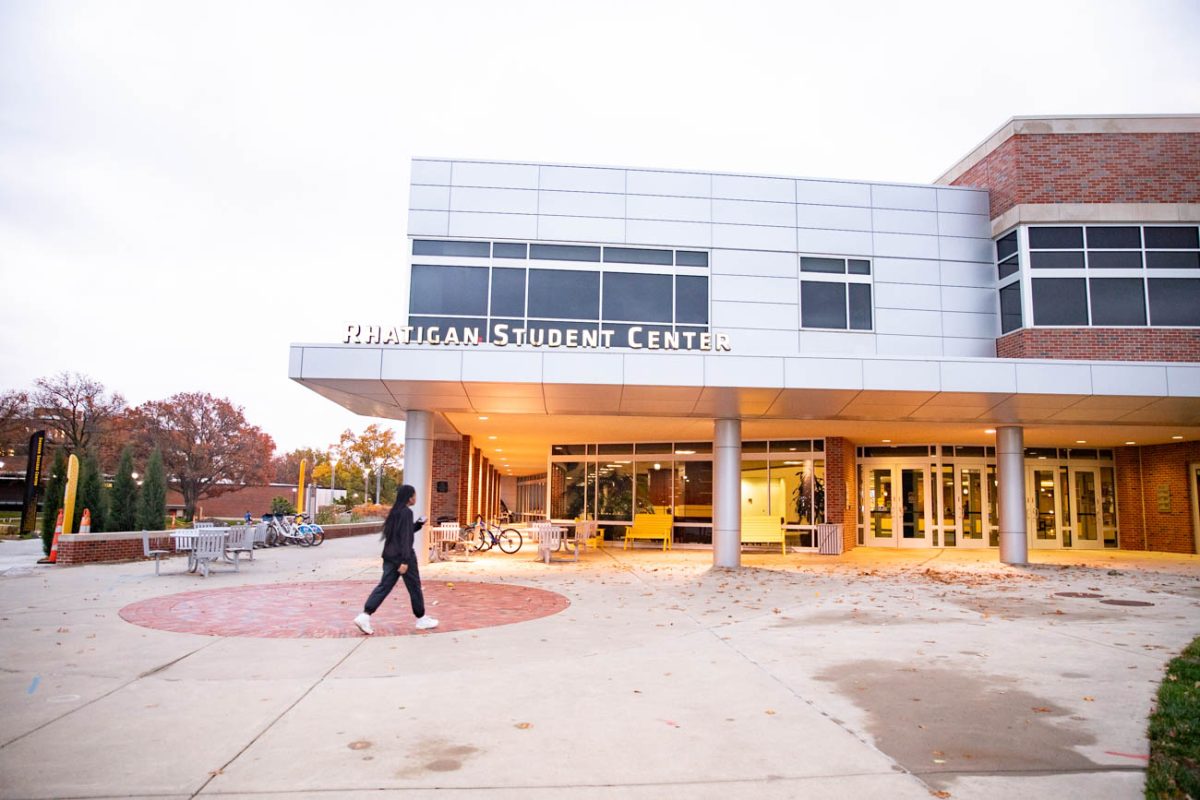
pixel 398 533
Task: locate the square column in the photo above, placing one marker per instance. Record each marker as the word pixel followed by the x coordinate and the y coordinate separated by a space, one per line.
pixel 418 471
pixel 727 493
pixel 1010 474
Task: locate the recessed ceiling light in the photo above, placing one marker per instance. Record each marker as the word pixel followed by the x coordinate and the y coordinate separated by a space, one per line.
pixel 1081 441
pixel 1176 437
pixel 499 449
pixel 989 430
pixel 491 437
pixel 483 419
pixel 887 441
pixel 1131 443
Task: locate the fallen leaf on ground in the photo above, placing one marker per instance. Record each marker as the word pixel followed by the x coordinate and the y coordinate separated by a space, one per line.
pixel 523 726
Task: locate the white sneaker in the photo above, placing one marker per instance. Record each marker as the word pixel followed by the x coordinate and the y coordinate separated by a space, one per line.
pixel 426 622
pixel 363 621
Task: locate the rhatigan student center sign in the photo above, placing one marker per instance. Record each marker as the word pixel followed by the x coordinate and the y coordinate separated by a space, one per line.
pixel 636 337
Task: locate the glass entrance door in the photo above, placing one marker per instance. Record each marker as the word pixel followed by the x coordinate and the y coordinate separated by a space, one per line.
pixel 878 502
pixel 914 511
pixel 1042 499
pixel 1085 485
pixel 973 504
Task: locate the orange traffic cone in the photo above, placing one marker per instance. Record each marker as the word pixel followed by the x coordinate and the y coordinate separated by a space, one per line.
pixel 85 524
pixel 58 529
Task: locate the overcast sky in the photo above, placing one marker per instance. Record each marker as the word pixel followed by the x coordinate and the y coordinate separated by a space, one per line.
pixel 188 187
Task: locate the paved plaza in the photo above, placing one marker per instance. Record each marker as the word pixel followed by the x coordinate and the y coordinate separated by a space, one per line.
pixel 890 674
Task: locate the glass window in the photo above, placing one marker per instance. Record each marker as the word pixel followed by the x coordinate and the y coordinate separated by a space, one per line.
pixel 756 489
pixel 694 342
pixel 822 305
pixel 654 447
pixel 1007 268
pixel 804 490
pixel 448 290
pixel 557 325
pixel 568 489
pixel 690 258
pixel 1114 259
pixel 693 491
pixel 1174 301
pixel 1059 301
pixel 859 266
pixel 860 306
pixel 687 448
pixel 754 447
pixel 1172 237
pixel 633 296
pixel 564 294
pixel 1118 301
pixel 1010 307
pixel 614 449
pixel 568 450
pixel 791 446
pixel 1156 259
pixel 691 299
pixel 1055 238
pixel 633 255
pixel 428 247
pixel 811 264
pixel 1115 237
pixel 508 292
pixel 564 252
pixel 614 491
pixel 1006 246
pixel 508 250
pixel 513 324
pixel 653 491
pixel 1057 260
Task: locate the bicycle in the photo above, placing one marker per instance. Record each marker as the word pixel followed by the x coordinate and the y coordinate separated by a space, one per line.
pixel 313 533
pixel 489 535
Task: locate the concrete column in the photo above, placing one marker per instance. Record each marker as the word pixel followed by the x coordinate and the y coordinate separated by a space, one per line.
pixel 418 471
pixel 1010 474
pixel 727 493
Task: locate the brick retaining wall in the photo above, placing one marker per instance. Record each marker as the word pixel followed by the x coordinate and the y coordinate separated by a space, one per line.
pixel 98 548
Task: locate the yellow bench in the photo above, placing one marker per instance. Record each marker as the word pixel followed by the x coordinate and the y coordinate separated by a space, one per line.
pixel 764 530
pixel 650 526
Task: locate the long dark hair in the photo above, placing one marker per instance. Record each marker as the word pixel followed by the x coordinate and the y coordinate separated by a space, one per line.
pixel 403 495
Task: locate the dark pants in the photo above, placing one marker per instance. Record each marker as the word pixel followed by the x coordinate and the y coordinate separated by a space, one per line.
pixel 391 574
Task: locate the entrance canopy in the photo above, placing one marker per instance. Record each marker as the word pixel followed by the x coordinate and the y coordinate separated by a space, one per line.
pixel 533 398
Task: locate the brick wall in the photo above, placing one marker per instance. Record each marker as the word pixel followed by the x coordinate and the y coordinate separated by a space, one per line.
pixel 464 480
pixel 232 505
pixel 840 488
pixel 1102 344
pixel 447 468
pixel 1142 472
pixel 1089 168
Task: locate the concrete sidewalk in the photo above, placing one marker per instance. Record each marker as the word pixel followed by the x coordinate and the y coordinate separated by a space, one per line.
pixel 890 674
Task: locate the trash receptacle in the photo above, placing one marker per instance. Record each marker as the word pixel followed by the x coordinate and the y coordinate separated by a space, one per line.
pixel 829 539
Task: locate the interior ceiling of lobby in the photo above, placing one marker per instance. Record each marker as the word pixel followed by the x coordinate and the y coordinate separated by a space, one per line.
pixel 526 419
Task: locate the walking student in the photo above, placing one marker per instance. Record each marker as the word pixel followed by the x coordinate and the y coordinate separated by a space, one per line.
pixel 399 561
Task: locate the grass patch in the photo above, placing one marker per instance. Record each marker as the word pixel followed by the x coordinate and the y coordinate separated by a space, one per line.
pixel 1174 733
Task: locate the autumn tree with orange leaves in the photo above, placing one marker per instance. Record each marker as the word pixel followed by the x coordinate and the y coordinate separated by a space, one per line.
pixel 208 448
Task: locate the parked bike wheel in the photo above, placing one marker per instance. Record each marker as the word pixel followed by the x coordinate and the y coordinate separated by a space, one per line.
pixel 318 537
pixel 510 540
pixel 308 539
pixel 485 541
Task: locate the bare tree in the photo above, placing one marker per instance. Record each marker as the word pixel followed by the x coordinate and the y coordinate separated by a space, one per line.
pixel 75 406
pixel 14 415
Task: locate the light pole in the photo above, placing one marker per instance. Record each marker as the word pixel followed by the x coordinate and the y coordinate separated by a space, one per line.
pixel 366 486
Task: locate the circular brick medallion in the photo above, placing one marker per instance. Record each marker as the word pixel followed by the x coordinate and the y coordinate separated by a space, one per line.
pixel 326 609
